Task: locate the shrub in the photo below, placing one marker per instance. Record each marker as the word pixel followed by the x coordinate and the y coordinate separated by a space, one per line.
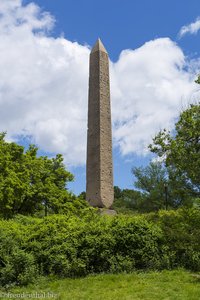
pixel 69 246
pixel 137 239
pixel 180 236
pixel 16 266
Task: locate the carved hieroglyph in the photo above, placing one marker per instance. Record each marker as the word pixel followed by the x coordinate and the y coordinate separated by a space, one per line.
pixel 99 189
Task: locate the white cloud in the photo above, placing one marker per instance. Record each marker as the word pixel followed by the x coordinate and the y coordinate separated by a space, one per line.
pixel 44 86
pixel 43 82
pixel 192 28
pixel 150 86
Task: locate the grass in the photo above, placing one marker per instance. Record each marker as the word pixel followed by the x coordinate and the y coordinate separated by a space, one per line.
pixel 165 285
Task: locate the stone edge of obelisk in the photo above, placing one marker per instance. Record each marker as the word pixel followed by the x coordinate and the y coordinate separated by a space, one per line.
pixel 99 47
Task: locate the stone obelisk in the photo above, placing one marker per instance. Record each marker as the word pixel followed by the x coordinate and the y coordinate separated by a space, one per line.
pixel 99 189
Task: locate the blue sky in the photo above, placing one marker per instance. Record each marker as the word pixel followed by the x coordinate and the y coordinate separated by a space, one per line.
pixel 44 49
pixel 123 24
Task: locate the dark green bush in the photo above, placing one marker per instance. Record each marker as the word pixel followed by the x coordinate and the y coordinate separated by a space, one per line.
pixel 69 246
pixel 181 240
pixel 16 265
pixel 138 239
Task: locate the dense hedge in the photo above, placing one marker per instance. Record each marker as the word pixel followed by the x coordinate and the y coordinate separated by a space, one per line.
pixel 76 246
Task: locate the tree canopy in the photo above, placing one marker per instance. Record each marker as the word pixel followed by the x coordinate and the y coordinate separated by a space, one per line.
pixel 126 200
pixel 151 181
pixel 175 180
pixel 181 149
pixel 29 183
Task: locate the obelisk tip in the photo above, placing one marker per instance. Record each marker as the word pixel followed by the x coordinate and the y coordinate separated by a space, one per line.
pixel 98 46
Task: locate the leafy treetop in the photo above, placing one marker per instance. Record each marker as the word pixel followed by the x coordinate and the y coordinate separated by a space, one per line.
pixel 29 183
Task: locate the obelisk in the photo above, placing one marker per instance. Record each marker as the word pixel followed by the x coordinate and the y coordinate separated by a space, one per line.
pixel 99 187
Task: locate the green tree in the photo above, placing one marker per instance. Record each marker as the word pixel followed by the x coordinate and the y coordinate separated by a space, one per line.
pixel 181 149
pixel 152 180
pixel 29 183
pixel 126 199
pixel 118 193
pixel 82 195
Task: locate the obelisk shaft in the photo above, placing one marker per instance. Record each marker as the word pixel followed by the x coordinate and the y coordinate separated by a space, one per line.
pixel 99 189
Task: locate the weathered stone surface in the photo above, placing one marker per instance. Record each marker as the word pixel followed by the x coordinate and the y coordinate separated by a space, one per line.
pixel 99 189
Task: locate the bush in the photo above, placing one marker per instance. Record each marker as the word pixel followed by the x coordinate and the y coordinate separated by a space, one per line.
pixel 180 237
pixel 16 266
pixel 71 246
pixel 137 239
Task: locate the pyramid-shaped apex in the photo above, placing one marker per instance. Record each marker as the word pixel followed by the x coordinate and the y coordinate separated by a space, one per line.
pixel 98 47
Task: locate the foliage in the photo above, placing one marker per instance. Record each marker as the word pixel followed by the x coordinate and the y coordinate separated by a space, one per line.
pixel 181 151
pixel 82 196
pixel 126 200
pixel 70 246
pixel 29 183
pixel 152 181
pixel 180 237
pixel 176 181
pixel 161 188
pixel 16 265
